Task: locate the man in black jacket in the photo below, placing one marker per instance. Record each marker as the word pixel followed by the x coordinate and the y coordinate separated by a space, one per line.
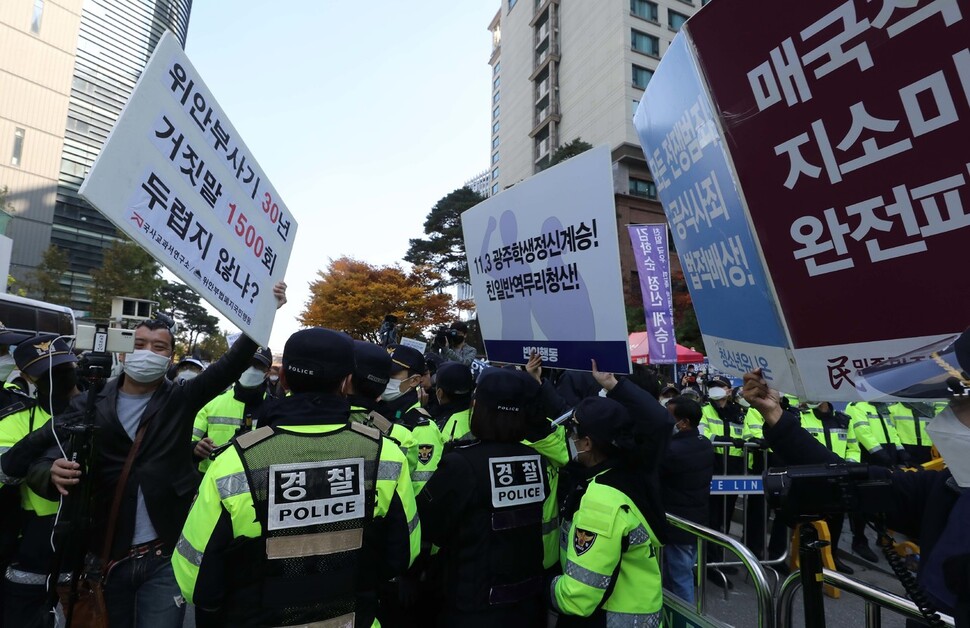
pixel 685 485
pixel 162 481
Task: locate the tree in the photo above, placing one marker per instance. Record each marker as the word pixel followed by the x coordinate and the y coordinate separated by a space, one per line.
pixel 212 347
pixel 566 151
pixel 185 306
pixel 354 296
pixel 444 246
pixel 45 280
pixel 127 271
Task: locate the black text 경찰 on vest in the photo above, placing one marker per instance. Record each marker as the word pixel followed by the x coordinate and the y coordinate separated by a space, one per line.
pixel 314 495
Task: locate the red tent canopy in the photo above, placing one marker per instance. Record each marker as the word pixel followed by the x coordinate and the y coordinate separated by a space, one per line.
pixel 640 354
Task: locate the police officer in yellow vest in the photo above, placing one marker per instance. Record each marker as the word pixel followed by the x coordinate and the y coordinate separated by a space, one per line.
pixel 454 384
pixel 25 434
pixel 910 419
pixel 297 524
pixel 834 430
pixel 232 412
pixel 609 552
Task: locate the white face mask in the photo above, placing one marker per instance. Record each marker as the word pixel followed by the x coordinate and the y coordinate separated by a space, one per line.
pixel 7 365
pixel 393 390
pixel 185 376
pixel 145 366
pixel 251 377
pixel 574 453
pixel 716 394
pixel 663 400
pixel 273 379
pixel 952 438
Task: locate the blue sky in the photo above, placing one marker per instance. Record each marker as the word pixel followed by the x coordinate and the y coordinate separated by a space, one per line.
pixel 363 114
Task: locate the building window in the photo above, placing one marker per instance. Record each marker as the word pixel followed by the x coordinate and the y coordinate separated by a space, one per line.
pixel 641 76
pixel 18 146
pixel 495 142
pixel 642 187
pixel 37 16
pixel 675 20
pixel 495 128
pixel 495 97
pixel 645 9
pixel 512 4
pixel 636 103
pixel 494 113
pixel 497 67
pixel 495 174
pixel 494 189
pixel 647 44
pixel 704 3
pixel 496 82
pixel 494 158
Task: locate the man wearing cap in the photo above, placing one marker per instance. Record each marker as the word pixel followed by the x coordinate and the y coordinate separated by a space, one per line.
pixel 146 478
pixel 186 369
pixel 932 507
pixel 49 364
pixel 454 383
pixel 232 412
pixel 723 423
pixel 298 523
pixel 451 344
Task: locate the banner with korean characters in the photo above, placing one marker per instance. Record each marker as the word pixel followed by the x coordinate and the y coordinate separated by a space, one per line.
pixel 175 176
pixel 653 267
pixel 544 262
pixel 837 120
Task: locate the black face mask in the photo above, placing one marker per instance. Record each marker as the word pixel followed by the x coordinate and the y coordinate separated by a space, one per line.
pixel 64 381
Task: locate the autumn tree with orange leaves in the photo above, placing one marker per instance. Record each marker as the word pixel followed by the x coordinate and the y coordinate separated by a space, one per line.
pixel 353 296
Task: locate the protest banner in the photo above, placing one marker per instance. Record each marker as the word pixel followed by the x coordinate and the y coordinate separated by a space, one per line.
pixel 653 266
pixel 544 262
pixel 809 178
pixel 175 176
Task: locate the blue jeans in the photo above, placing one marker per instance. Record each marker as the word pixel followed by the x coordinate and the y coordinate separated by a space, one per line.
pixel 143 592
pixel 678 576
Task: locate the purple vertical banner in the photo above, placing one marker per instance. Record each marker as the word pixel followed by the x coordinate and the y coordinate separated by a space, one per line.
pixel 653 265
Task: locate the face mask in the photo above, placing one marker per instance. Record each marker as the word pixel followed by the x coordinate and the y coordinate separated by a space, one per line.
pixel 185 376
pixel 716 394
pixel 273 379
pixel 573 452
pixel 952 438
pixel 393 390
pixel 64 383
pixel 664 400
pixel 145 366
pixel 7 365
pixel 602 392
pixel 812 406
pixel 251 377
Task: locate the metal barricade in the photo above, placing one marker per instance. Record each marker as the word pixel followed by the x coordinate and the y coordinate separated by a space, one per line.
pixel 759 579
pixel 875 599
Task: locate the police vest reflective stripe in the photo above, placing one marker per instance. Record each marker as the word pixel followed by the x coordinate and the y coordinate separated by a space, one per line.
pixel 220 420
pixel 910 427
pixel 712 425
pixel 314 495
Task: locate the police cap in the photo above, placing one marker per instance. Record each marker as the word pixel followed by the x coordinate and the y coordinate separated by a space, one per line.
pixel 407 358
pixel 719 382
pixel 371 362
pixel 264 356
pixel 39 354
pixel 605 421
pixel 455 379
pixel 319 352
pixel 506 390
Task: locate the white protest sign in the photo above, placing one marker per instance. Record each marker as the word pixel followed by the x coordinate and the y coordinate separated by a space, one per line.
pixel 414 344
pixel 544 262
pixel 175 176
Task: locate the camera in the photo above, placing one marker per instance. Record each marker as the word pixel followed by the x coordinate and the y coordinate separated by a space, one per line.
pixel 809 492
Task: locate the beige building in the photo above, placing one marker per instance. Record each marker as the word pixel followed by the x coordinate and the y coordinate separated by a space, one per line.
pixel 37 43
pixel 568 69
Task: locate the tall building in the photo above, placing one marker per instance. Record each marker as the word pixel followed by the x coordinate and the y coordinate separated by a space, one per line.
pixel 116 39
pixel 37 43
pixel 480 183
pixel 577 69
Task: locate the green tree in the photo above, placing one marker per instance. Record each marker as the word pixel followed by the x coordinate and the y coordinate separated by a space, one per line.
pixel 127 271
pixel 443 248
pixel 45 280
pixel 566 151
pixel 213 346
pixel 184 305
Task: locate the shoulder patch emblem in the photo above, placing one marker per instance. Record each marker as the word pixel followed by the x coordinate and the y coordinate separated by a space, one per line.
pixel 425 452
pixel 583 540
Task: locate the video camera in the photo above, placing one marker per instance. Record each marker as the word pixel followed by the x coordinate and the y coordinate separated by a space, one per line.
pixel 809 492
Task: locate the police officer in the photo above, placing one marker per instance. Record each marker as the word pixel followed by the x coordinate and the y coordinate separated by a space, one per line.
pixel 834 430
pixel 484 508
pixel 454 383
pixel 932 507
pixel 611 571
pixel 722 422
pixel 299 522
pixel 232 412
pixel 49 364
pixel 910 419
